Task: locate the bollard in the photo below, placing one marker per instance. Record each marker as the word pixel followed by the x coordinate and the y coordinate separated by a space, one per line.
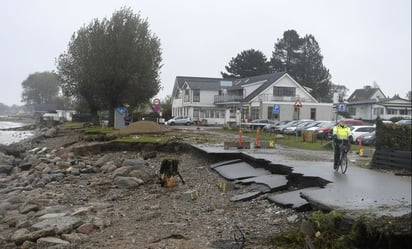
pixel 240 143
pixel 257 143
pixel 360 146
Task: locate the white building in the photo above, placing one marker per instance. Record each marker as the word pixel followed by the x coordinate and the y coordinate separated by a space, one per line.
pixel 218 101
pixel 369 103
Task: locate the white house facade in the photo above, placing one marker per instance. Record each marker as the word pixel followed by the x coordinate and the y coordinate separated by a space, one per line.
pixel 370 103
pixel 217 101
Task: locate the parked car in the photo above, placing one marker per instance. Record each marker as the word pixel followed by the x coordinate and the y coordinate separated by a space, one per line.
pixel 180 120
pixel 289 130
pixel 324 129
pixel 404 122
pixel 260 123
pixel 368 138
pixel 353 122
pixel 360 130
pixel 280 128
pixel 305 126
pixel 272 127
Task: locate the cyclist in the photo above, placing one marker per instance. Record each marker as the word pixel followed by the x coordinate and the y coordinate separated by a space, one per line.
pixel 341 134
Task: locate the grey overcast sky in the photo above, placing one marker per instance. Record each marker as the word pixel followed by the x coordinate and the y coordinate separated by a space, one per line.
pixel 362 41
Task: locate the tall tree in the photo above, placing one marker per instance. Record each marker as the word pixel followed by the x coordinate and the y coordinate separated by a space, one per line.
pixel 301 58
pixel 287 53
pixel 246 64
pixel 40 88
pixel 112 62
pixel 311 71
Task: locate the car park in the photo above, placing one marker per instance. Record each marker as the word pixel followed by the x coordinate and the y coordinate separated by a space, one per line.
pixel 180 120
pixel 290 129
pixel 360 130
pixel 260 123
pixel 280 128
pixel 272 127
pixel 306 126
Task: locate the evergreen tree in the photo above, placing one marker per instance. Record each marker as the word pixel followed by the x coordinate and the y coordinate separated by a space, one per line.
pixel 287 53
pixel 301 58
pixel 246 64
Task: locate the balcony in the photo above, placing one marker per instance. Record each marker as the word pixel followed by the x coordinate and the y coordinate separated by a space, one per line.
pixel 227 98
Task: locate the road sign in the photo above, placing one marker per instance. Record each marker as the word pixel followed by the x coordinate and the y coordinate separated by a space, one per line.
pixel 341 107
pixel 298 104
pixel 276 109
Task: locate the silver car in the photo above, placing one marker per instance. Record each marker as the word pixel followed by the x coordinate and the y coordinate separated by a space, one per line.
pixel 180 120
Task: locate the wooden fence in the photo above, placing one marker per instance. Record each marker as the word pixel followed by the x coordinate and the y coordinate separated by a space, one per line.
pixel 392 159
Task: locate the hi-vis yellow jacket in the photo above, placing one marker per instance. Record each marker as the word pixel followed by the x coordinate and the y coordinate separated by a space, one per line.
pixel 342 132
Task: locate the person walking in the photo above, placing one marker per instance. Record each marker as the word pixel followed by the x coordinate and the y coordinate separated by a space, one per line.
pixel 341 134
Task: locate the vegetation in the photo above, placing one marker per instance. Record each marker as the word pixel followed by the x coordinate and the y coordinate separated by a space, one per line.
pixel 112 63
pixel 300 57
pixel 336 230
pixel 246 64
pixel 41 88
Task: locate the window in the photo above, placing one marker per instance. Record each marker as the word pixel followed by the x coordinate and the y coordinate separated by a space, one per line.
pixel 392 111
pixel 403 112
pixel 187 96
pixel 313 113
pixel 378 111
pixel 254 113
pixel 196 95
pixel 284 91
pixel 352 110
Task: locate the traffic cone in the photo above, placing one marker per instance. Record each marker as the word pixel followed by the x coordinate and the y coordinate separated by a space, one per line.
pixel 240 143
pixel 257 143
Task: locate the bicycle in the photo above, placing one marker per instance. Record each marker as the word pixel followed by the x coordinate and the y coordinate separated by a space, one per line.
pixel 343 158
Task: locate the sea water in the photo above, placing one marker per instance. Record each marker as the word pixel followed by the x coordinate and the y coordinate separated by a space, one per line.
pixel 13 136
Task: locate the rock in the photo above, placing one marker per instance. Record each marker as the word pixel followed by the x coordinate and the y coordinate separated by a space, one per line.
pixel 6 169
pixel 128 182
pixel 53 242
pixel 85 228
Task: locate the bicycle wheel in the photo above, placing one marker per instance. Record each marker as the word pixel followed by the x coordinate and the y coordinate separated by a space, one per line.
pixel 344 163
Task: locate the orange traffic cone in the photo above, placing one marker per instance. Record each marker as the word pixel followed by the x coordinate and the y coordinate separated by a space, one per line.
pixel 257 143
pixel 240 143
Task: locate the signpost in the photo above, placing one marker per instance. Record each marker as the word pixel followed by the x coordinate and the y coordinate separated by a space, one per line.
pixel 276 110
pixel 297 106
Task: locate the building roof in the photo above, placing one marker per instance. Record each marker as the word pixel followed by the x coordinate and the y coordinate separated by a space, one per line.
pixel 365 93
pixel 267 78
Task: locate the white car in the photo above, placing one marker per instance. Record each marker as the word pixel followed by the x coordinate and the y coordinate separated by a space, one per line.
pixel 360 130
pixel 180 120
